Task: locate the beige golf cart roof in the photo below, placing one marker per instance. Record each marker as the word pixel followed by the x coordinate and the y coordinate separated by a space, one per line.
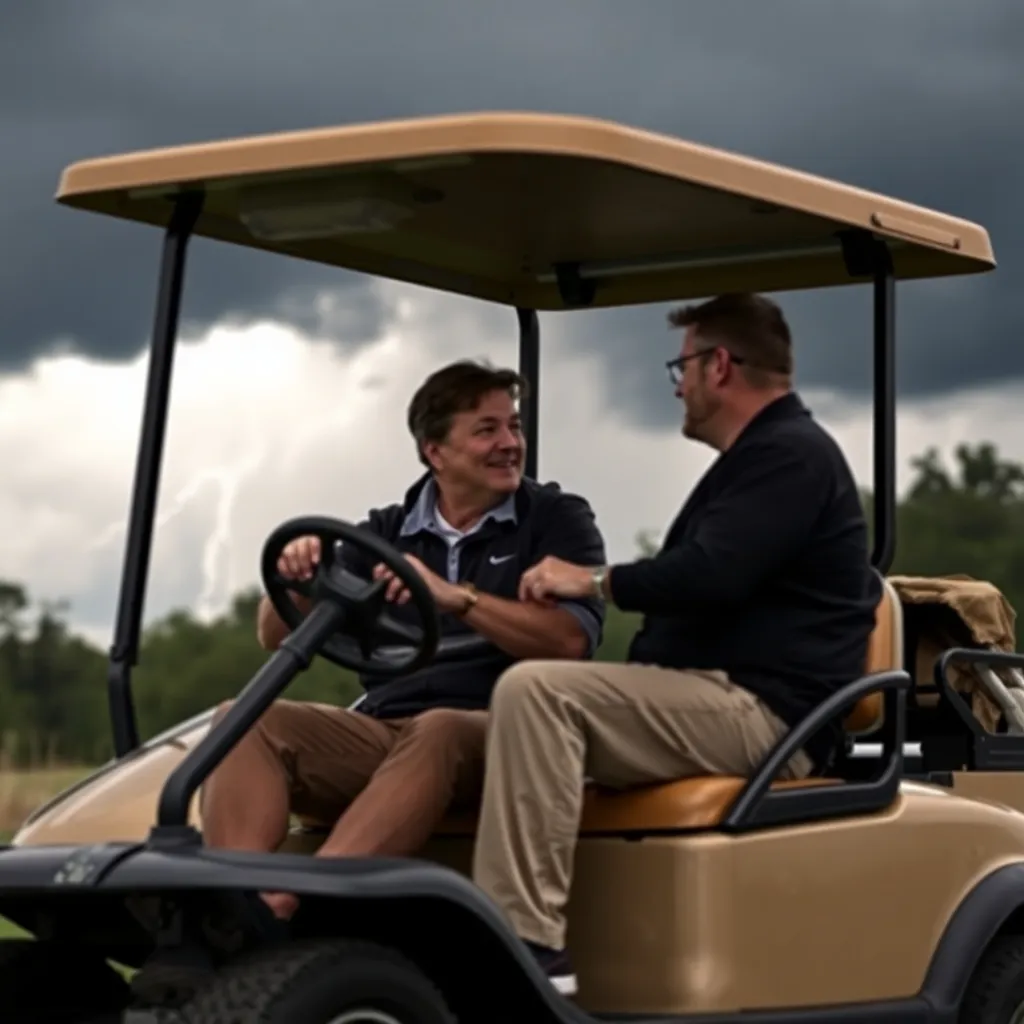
pixel 486 205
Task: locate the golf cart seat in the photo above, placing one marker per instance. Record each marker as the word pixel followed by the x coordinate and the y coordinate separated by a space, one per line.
pixel 702 801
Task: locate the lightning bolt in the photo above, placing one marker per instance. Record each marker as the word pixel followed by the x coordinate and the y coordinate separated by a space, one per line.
pixel 179 503
pixel 227 480
pixel 216 546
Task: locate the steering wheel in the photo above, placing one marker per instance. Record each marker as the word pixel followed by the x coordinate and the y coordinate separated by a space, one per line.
pixel 359 642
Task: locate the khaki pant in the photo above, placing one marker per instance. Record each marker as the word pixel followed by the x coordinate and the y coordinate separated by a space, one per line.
pixel 388 781
pixel 553 723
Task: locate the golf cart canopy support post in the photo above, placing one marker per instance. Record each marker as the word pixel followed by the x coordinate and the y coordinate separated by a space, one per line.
pixel 885 417
pixel 868 256
pixel 125 649
pixel 529 367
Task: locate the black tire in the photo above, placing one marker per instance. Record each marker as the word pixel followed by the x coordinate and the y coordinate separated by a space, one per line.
pixel 57 984
pixel 315 983
pixel 995 994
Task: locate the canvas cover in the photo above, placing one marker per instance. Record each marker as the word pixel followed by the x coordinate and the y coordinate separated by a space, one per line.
pixel 981 617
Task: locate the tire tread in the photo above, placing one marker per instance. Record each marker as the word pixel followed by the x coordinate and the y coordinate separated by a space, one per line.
pixel 999 976
pixel 252 987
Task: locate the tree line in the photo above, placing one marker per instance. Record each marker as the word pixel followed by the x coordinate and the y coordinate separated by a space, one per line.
pixel 965 517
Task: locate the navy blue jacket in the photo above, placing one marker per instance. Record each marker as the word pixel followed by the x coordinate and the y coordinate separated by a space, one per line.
pixel 538 520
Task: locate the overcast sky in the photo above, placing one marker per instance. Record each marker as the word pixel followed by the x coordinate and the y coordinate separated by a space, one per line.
pixel 922 99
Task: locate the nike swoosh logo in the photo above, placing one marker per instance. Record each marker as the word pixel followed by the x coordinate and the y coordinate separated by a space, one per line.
pixel 498 561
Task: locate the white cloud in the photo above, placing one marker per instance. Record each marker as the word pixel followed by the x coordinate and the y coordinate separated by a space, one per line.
pixel 266 424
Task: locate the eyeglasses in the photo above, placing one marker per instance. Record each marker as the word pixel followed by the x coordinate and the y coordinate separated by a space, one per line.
pixel 677 367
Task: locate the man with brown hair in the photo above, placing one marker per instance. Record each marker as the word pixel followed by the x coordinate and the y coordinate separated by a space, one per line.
pixel 759 605
pixel 389 768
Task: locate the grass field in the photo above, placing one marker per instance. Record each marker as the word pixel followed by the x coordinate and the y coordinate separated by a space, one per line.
pixel 21 791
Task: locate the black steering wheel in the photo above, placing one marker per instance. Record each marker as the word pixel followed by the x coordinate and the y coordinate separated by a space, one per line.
pixel 370 641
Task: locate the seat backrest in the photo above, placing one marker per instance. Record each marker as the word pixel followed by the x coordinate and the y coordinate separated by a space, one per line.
pixel 885 653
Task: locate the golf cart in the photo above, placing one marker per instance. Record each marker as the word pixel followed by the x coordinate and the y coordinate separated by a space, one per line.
pixel 890 890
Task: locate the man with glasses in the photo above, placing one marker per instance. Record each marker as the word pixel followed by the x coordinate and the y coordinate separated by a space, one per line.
pixel 759 605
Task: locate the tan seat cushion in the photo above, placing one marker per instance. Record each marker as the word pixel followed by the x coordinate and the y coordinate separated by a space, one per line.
pixel 694 803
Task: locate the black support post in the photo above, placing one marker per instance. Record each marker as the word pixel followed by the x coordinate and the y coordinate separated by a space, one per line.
pixel 124 650
pixel 529 367
pixel 868 256
pixel 885 417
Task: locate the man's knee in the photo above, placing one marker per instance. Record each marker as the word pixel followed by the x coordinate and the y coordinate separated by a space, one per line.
pixel 449 728
pixel 220 711
pixel 530 683
pixel 277 722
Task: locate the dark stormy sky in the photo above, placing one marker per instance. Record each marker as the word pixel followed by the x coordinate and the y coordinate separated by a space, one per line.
pixel 923 99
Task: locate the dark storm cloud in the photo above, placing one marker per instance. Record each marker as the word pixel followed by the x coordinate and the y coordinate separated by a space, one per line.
pixel 922 99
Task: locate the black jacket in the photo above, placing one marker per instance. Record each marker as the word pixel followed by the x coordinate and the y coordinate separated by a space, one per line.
pixel 549 522
pixel 765 574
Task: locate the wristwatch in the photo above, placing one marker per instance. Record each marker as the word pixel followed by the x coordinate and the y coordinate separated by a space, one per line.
pixel 598 576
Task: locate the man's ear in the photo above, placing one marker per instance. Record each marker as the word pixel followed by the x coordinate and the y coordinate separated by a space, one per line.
pixel 721 367
pixel 431 452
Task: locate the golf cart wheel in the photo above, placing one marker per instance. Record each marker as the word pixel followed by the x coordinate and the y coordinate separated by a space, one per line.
pixel 996 991
pixel 59 984
pixel 327 982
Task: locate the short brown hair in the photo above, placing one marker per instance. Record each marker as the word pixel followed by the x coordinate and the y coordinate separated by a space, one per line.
pixel 456 388
pixel 751 327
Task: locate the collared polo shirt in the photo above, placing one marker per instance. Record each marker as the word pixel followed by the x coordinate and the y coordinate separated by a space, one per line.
pixel 535 521
pixel 425 515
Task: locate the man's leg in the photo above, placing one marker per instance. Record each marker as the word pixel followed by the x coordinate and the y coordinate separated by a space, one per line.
pixel 300 757
pixel 386 784
pixel 552 724
pixel 436 762
pixel 303 757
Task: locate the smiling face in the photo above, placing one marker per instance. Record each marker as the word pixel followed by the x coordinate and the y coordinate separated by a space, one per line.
pixel 484 448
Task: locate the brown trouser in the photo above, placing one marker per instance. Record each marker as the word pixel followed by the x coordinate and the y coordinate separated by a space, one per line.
pixel 553 723
pixel 389 781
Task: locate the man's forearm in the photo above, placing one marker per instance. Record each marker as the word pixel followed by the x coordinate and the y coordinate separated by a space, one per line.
pixel 270 630
pixel 527 630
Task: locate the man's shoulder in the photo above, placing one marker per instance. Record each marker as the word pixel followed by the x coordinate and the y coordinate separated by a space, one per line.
pixel 544 501
pixel 808 434
pixel 812 462
pixel 387 520
pixel 558 522
pixel 804 439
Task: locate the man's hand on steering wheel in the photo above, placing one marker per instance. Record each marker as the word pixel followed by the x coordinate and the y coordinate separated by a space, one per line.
pixel 300 558
pixel 447 596
pixel 304 578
